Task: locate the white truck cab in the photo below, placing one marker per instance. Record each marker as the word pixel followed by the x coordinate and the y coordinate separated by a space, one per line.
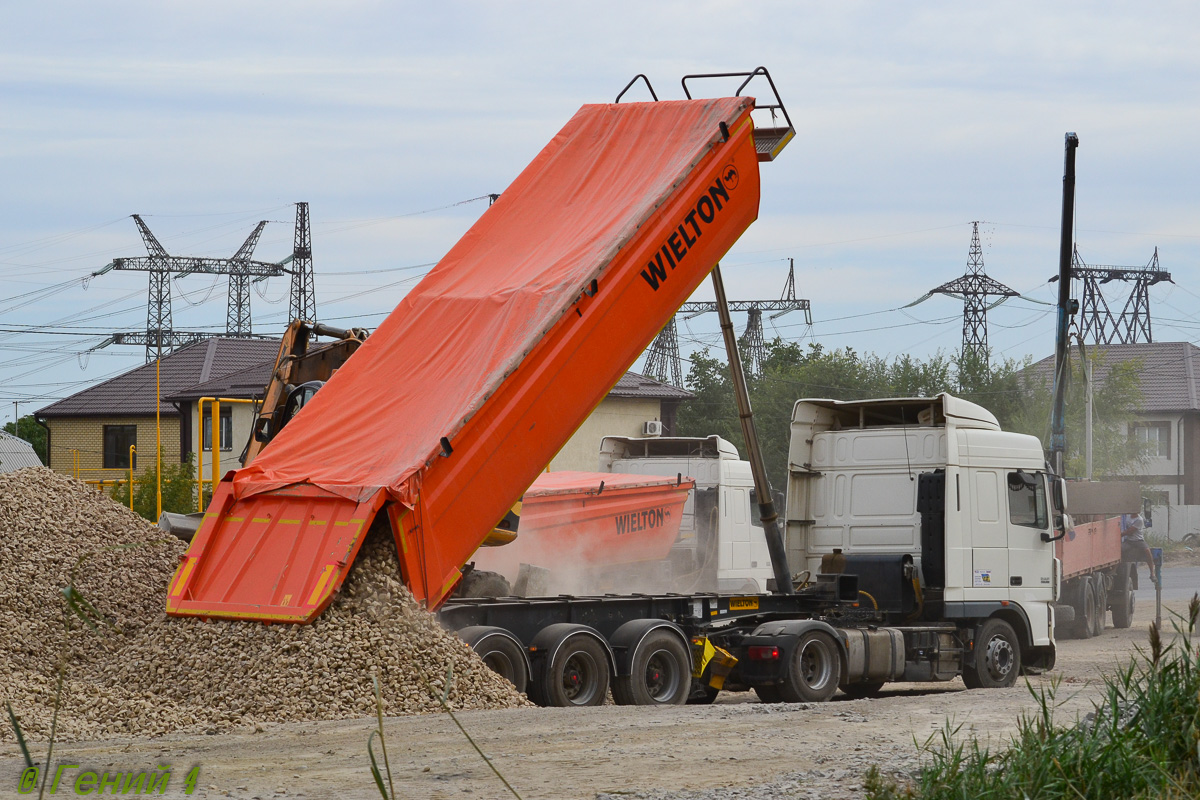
pixel 721 540
pixel 937 480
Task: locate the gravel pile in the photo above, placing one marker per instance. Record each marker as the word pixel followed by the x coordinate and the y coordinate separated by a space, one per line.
pixel 150 674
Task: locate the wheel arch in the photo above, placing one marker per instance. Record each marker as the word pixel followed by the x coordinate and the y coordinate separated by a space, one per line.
pixel 475 635
pixel 626 640
pixel 550 639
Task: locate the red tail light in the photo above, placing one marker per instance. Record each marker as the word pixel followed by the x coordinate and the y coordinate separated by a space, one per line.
pixel 763 653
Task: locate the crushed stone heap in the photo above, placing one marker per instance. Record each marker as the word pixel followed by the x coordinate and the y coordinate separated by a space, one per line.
pixel 151 674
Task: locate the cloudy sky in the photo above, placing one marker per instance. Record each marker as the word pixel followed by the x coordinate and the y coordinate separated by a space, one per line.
pixel 390 119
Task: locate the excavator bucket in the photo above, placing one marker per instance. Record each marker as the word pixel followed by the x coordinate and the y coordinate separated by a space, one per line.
pixel 449 410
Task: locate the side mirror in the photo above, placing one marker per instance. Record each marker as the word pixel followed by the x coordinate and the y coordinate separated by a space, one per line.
pixel 262 429
pixel 1060 495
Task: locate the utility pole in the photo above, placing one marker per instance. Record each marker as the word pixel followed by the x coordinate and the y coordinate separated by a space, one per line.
pixel 975 287
pixel 303 302
pixel 159 333
pixel 663 362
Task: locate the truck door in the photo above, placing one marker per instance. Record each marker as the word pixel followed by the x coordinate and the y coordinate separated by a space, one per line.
pixel 989 535
pixel 1030 558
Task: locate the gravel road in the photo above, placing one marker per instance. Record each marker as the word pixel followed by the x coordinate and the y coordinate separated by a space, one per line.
pixel 735 748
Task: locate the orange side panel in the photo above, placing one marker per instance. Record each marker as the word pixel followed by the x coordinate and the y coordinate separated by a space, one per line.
pixel 1091 546
pixel 468 389
pixel 279 556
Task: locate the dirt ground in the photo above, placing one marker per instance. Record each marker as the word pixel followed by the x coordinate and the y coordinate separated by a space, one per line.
pixel 737 746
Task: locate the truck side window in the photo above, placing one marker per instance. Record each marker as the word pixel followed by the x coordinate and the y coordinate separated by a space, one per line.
pixel 1027 500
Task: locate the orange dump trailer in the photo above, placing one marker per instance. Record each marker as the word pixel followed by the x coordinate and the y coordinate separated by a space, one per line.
pixel 448 412
pixel 577 524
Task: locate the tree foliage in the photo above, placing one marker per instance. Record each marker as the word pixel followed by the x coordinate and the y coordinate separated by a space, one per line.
pixel 28 429
pixel 178 490
pixel 1006 387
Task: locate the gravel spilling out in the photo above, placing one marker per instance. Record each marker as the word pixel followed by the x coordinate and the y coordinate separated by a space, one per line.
pixel 151 674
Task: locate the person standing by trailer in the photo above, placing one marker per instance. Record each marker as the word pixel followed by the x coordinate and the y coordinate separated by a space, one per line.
pixel 1133 542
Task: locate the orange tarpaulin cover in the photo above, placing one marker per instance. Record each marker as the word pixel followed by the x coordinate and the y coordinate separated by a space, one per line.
pixel 507 345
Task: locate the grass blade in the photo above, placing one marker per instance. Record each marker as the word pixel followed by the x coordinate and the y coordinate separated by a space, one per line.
pixel 16 726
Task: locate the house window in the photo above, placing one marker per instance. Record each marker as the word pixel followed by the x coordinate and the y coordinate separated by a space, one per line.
pixel 117 440
pixel 226 429
pixel 1155 437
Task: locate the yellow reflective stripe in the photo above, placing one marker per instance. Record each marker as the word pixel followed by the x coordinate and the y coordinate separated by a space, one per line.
pixel 261 519
pixel 182 576
pixel 329 568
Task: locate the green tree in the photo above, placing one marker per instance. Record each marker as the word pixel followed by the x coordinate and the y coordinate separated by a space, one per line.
pixel 28 429
pixel 178 490
pixel 1116 400
pixel 1008 388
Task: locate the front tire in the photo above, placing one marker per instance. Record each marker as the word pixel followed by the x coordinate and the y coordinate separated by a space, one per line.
pixel 996 660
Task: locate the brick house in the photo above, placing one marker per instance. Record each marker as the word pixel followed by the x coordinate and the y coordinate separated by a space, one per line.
pixel 89 433
pixel 1169 421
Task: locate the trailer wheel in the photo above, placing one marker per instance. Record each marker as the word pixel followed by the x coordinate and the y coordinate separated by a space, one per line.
pixel 577 675
pixel 813 671
pixel 1123 599
pixel 658 675
pixel 504 657
pixel 860 691
pixel 996 659
pixel 1101 591
pixel 1085 612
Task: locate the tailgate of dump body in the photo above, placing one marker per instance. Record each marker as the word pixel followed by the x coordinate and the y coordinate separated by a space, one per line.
pixel 504 349
pixel 278 556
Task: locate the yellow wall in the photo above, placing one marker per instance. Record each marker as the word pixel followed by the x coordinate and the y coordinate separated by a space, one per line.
pixel 244 415
pixel 615 416
pixel 86 434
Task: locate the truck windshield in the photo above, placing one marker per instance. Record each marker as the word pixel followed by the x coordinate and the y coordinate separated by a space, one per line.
pixel 1027 500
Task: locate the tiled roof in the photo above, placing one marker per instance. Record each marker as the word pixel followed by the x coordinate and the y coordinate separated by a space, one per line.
pixel 634 385
pixel 132 394
pixel 16 453
pixel 245 383
pixel 1170 371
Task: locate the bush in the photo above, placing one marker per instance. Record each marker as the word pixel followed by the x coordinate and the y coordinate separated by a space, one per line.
pixel 178 490
pixel 1142 740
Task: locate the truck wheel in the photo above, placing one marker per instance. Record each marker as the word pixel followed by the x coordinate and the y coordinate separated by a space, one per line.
pixel 814 669
pixel 577 675
pixel 860 691
pixel 504 657
pixel 481 583
pixel 1123 600
pixel 769 693
pixel 658 675
pixel 996 659
pixel 1085 610
pixel 1101 591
